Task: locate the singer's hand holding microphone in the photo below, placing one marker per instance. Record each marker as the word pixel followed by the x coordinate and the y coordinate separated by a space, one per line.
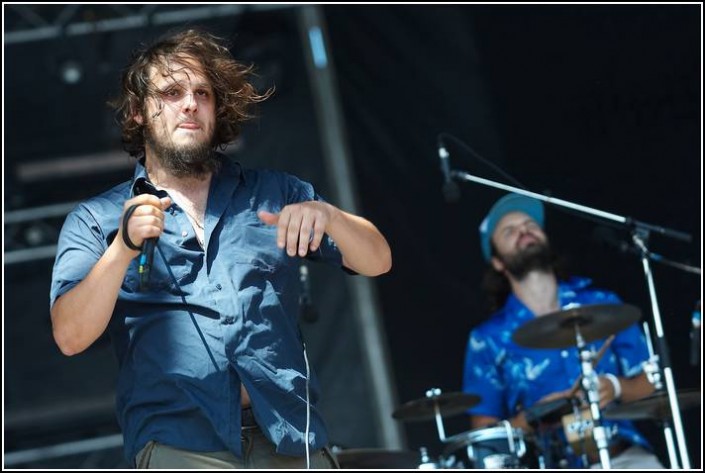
pixel 144 222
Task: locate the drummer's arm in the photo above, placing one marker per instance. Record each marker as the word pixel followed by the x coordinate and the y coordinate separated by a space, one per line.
pixel 633 388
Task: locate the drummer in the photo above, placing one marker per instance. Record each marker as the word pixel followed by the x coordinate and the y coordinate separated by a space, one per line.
pixel 523 283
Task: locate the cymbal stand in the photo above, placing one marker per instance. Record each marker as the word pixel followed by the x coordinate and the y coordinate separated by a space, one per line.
pixel 640 236
pixel 431 394
pixel 653 374
pixel 651 367
pixel 591 387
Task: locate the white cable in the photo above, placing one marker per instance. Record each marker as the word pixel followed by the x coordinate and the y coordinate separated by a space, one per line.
pixel 308 410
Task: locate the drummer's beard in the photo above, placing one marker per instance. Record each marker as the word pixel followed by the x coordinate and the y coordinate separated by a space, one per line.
pixel 536 257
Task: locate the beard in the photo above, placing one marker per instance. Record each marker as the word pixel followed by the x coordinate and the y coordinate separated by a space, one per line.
pixel 536 257
pixel 192 160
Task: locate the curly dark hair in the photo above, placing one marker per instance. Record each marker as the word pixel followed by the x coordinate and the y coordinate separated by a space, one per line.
pixel 234 95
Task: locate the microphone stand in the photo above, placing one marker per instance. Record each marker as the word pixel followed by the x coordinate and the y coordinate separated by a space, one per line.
pixel 640 236
pixel 640 232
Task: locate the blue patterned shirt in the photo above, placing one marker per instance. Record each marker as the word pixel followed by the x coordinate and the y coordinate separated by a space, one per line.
pixel 210 320
pixel 510 378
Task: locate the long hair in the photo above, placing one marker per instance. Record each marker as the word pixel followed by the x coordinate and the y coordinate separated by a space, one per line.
pixel 234 94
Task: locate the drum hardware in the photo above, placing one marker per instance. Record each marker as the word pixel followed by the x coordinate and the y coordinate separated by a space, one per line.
pixel 651 366
pixel 590 385
pixel 496 447
pixel 574 326
pixel 434 406
pixel 426 463
pixel 596 359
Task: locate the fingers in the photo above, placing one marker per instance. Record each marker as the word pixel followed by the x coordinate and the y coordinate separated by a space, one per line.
pixel 305 236
pixel 300 227
pixel 319 228
pixel 147 220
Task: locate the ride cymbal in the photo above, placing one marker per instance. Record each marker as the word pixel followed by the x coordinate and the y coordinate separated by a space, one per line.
pixel 558 329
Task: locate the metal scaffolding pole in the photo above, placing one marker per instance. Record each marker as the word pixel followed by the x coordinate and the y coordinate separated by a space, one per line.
pixel 339 168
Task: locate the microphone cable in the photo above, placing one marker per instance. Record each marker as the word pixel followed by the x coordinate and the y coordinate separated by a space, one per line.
pixel 308 409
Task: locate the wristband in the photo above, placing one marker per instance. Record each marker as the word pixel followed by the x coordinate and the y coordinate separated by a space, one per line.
pixel 616 385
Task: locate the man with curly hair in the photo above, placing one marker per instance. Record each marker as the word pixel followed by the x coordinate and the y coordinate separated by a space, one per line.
pixel 213 373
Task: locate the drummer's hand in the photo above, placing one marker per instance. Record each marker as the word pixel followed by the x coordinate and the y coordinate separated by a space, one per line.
pixel 606 391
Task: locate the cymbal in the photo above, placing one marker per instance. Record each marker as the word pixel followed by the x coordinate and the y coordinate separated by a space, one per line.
pixel 557 329
pixel 372 458
pixel 424 408
pixel 655 406
pixel 548 412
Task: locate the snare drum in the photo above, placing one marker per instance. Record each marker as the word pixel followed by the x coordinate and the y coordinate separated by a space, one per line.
pixel 496 447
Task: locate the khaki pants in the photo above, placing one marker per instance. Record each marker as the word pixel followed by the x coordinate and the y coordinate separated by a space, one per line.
pixel 258 453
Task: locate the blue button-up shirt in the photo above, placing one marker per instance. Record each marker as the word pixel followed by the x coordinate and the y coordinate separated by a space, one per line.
pixel 509 378
pixel 210 319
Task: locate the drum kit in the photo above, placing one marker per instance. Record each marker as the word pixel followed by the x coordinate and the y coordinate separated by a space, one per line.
pixel 503 446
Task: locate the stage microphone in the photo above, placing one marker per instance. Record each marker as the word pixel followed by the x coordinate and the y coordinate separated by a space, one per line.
pixel 695 337
pixel 144 263
pixel 307 312
pixel 451 192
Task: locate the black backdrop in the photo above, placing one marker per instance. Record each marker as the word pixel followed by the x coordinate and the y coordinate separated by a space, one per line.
pixel 600 105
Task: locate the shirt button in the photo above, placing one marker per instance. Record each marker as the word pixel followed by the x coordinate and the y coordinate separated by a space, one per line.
pixel 218 286
pixel 564 354
pixel 184 233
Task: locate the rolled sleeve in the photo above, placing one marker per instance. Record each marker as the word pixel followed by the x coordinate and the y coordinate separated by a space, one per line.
pixel 81 244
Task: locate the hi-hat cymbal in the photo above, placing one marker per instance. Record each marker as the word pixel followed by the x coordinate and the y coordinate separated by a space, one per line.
pixel 372 459
pixel 558 329
pixel 425 408
pixel 655 406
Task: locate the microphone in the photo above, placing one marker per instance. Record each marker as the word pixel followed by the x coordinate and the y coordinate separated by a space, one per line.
pixel 451 192
pixel 144 263
pixel 695 337
pixel 307 312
